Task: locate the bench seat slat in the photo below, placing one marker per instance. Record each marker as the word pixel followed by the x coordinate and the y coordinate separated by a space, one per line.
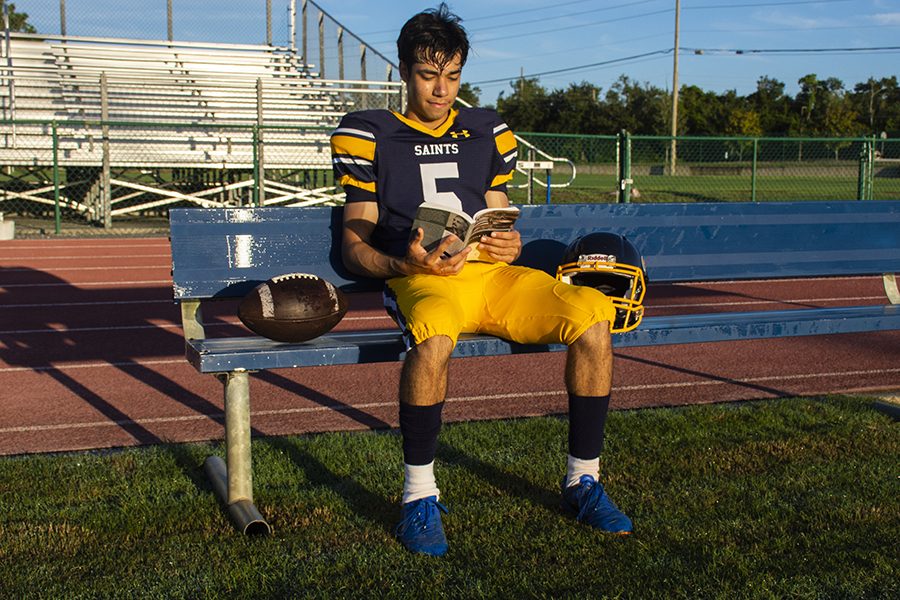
pixel 717 327
pixel 343 348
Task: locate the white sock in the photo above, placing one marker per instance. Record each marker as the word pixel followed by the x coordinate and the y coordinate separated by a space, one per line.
pixel 576 467
pixel 419 482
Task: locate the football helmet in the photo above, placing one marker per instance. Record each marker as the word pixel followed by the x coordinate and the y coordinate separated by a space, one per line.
pixel 611 264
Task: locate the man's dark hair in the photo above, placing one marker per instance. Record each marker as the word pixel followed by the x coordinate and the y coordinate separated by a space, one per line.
pixel 433 36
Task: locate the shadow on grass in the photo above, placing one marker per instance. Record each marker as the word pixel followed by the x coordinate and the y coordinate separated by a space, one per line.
pixel 509 483
pixel 191 465
pixel 365 503
pixel 381 511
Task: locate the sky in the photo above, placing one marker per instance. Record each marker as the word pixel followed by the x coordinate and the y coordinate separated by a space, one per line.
pixel 725 44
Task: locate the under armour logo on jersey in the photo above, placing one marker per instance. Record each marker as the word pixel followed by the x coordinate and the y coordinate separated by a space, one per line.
pixel 458 134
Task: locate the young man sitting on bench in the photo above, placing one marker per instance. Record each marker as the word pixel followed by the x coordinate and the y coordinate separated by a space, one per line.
pixel 389 163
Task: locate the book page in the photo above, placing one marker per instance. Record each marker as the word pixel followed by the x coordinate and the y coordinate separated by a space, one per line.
pixel 437 223
pixel 487 221
pixel 500 219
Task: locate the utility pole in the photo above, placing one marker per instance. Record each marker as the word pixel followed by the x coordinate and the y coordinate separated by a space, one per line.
pixel 169 19
pixel 674 129
pixel 292 26
pixel 268 22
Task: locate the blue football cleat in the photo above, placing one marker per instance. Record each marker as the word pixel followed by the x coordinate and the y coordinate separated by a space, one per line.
pixel 594 507
pixel 420 528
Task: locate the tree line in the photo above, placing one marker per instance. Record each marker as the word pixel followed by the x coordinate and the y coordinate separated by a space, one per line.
pixel 821 108
pixel 18 21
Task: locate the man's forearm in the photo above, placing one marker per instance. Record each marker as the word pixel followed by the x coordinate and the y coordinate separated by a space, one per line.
pixel 363 259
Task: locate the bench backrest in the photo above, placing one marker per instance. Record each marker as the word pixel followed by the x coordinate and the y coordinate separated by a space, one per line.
pixel 226 252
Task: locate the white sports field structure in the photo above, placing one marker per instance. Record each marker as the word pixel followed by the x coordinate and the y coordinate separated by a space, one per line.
pixel 130 125
pixel 94 129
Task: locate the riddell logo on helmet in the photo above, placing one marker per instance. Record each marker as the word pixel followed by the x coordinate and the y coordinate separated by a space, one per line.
pixel 610 258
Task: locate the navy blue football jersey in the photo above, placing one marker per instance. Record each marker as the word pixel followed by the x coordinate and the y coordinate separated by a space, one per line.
pixel 381 156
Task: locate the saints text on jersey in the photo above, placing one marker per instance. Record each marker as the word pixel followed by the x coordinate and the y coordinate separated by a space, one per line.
pixel 435 149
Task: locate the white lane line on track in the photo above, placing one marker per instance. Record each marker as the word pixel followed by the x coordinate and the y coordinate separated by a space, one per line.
pixel 152 326
pixel 98 303
pixel 107 268
pixel 755 302
pixel 92 257
pixel 96 365
pixel 89 329
pixel 168 283
pixel 158 301
pixel 162 244
pixel 785 280
pixel 457 400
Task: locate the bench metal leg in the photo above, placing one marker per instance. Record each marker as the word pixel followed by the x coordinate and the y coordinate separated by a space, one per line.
pixel 890 287
pixel 233 481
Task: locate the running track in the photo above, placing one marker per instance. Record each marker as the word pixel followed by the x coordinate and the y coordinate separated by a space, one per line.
pixel 91 356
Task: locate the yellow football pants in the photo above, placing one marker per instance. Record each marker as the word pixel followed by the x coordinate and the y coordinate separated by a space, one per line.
pixel 515 303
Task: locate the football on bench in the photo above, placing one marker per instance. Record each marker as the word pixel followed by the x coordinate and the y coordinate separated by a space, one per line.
pixel 293 308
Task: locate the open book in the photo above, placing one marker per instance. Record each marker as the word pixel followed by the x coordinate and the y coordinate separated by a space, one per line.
pixel 439 221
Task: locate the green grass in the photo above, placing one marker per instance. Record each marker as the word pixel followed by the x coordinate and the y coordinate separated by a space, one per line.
pixel 715 188
pixel 792 498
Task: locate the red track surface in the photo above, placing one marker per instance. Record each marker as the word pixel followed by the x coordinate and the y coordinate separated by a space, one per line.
pixel 91 356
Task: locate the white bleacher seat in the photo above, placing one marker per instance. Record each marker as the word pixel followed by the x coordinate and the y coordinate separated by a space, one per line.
pixel 163 84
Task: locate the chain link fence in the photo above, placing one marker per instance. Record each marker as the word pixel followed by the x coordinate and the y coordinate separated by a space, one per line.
pixel 102 122
pixel 247 22
pixel 104 173
pixel 595 164
pixel 96 173
pixel 719 169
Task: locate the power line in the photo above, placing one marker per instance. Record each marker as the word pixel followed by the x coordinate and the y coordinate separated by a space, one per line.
pixel 580 25
pixel 505 15
pixel 652 13
pixel 594 47
pixel 790 50
pixel 517 23
pixel 605 8
pixel 696 51
pixel 554 17
pixel 756 4
pixel 579 67
pixel 556 6
pixel 791 29
pixel 668 33
pixel 560 79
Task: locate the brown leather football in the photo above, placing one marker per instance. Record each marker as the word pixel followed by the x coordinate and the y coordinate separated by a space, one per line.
pixel 295 307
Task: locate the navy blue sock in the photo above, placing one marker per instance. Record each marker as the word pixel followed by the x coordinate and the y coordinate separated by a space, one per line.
pixel 587 422
pixel 420 426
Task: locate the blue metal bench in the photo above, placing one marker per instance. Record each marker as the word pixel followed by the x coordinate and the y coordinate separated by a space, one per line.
pixel 224 253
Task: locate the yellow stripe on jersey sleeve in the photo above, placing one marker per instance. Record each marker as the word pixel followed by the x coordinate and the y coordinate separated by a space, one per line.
pixel 354 146
pixel 369 186
pixel 502 178
pixel 506 142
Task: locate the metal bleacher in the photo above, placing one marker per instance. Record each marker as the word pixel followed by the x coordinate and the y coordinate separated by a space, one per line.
pixel 176 104
pixel 113 114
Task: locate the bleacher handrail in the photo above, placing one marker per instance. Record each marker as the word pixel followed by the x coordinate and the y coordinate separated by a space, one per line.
pixel 43 37
pixel 60 77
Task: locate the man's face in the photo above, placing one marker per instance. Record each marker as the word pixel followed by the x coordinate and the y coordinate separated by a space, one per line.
pixel 431 90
